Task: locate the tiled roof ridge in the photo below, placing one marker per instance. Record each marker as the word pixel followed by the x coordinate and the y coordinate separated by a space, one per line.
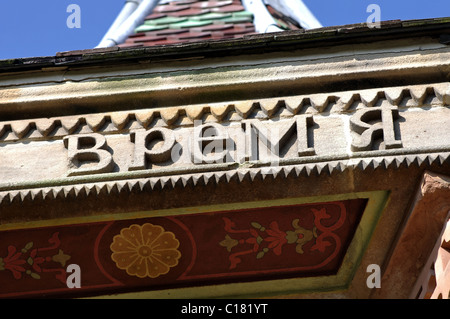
pixel 185 21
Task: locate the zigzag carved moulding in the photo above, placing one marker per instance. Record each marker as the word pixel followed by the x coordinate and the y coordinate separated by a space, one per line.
pixel 429 95
pixel 117 186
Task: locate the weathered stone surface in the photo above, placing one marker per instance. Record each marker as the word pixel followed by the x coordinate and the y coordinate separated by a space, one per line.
pixel 424 223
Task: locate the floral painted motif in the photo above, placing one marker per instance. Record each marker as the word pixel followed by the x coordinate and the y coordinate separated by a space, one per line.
pixel 145 250
pixel 265 239
pixel 32 261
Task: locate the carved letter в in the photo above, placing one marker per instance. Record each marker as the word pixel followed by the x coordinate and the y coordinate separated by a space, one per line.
pixel 87 154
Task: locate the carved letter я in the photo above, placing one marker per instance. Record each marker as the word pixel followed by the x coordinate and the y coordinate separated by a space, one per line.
pixel 360 123
pixel 90 150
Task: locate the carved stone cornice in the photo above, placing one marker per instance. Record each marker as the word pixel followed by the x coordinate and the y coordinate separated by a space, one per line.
pixel 347 102
pixel 150 180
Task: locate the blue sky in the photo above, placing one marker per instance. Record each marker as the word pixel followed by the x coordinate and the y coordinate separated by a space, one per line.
pixel 31 28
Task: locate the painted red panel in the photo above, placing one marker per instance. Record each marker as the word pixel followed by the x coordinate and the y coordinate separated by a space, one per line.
pixel 179 251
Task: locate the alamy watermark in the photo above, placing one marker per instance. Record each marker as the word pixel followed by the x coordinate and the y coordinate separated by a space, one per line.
pixel 74 19
pixel 374 279
pixel 74 279
pixel 374 20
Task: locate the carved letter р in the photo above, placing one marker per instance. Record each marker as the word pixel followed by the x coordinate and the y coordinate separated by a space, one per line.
pixel 158 153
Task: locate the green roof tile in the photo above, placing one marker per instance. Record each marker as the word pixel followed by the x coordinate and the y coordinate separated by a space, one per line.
pixel 148 28
pixel 190 24
pixel 243 14
pixel 165 20
pixel 237 19
pixel 211 16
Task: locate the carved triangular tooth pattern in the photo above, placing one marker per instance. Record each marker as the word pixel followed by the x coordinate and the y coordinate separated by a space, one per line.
pixel 68 191
pixel 394 95
pixel 169 115
pixel 418 93
pixel 186 180
pixel 319 101
pixel 133 186
pixel 242 174
pixel 219 177
pixel 122 186
pixel 3 128
pixel 307 107
pixel 369 97
pixel 36 194
pixel 421 159
pixel 96 121
pixel 220 110
pixel 88 189
pixel 4 198
pixel 411 160
pixel 344 102
pixel 294 103
pixel 367 163
pixel 14 197
pixel 145 117
pixel 155 183
pixel 319 167
pixel 198 180
pixel 388 162
pixel 101 188
pixel 300 170
pixel 47 194
pixel 25 195
pixel 377 162
pixel 112 188
pixel 244 108
pixel 442 92
pixel 288 170
pixel 443 158
pixel 71 123
pixel 341 166
pixel 207 178
pixel 120 119
pixel 195 112
pixel 80 190
pixel 275 170
pixel 20 128
pixel 269 106
pixel 165 182
pixel 432 158
pixel 58 192
pixel 230 176
pixel 45 126
pixel 399 161
pixel 330 168
pixel 144 185
pixel 310 169
pixel 255 174
pixel 175 181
